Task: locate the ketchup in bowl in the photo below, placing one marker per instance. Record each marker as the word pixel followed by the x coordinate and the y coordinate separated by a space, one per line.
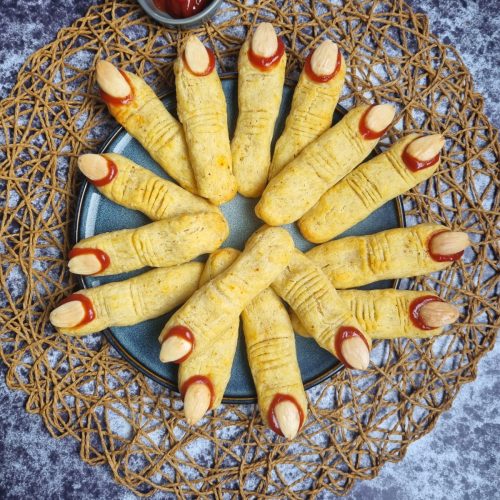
pixel 181 8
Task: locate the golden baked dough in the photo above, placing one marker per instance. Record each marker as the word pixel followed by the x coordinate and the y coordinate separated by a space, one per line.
pixel 396 253
pixel 140 189
pixel 137 299
pixel 361 192
pixel 311 114
pixel 159 244
pixel 271 352
pixel 213 358
pixel 383 314
pixel 161 135
pixel 201 106
pixel 259 99
pixel 320 165
pixel 316 302
pixel 270 345
pixel 216 306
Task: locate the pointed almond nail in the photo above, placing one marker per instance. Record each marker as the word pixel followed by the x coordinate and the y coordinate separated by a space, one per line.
pixel 85 264
pixel 196 55
pixel 355 353
pixel 92 166
pixel 324 58
pixel 264 41
pixel 288 418
pixel 68 315
pixel 426 148
pixel 379 117
pixel 111 81
pixel 174 348
pixel 449 242
pixel 196 402
pixel 435 314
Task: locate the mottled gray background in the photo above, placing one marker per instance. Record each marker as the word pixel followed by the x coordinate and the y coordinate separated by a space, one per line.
pixel 458 459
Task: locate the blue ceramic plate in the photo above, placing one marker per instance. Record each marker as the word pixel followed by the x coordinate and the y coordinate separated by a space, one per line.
pixel 138 344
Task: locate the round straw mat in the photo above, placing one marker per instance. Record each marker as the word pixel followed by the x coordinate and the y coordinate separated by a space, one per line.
pixel 357 421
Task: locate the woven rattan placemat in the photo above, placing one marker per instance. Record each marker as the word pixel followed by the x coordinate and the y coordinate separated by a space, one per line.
pixel 358 421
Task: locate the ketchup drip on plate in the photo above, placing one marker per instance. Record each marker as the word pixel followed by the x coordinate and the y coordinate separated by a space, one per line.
pixel 267 63
pixel 117 101
pixel 183 333
pixel 344 333
pixel 102 257
pixel 87 306
pixel 199 379
pixel 181 9
pixel 112 172
pixel 321 78
pixel 439 257
pixel 271 417
pixel 367 133
pixel 415 165
pixel 415 307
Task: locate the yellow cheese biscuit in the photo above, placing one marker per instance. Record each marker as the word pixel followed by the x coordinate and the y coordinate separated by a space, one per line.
pixel 312 109
pixel 364 190
pixel 387 314
pixel 127 302
pixel 273 360
pixel 217 305
pixel 259 98
pixel 211 359
pixel 201 106
pixel 272 357
pixel 137 188
pixel 396 253
pixel 145 117
pixel 322 312
pixel 159 244
pixel 321 164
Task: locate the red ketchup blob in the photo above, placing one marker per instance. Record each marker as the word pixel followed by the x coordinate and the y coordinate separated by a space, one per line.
pixel 414 311
pixel 112 172
pixel 102 257
pixel 267 63
pixel 87 306
pixel 321 78
pixel 183 333
pixel 199 379
pixel 442 258
pixel 367 133
pixel 271 417
pixel 117 101
pixel 210 67
pixel 415 165
pixel 344 333
pixel 181 9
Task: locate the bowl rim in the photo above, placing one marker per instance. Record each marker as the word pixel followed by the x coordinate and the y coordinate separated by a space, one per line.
pixel 165 18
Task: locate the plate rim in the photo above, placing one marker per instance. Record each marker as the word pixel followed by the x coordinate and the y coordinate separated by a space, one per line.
pixel 134 362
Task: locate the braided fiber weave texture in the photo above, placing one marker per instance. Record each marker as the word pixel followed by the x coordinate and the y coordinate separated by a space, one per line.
pixel 357 421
